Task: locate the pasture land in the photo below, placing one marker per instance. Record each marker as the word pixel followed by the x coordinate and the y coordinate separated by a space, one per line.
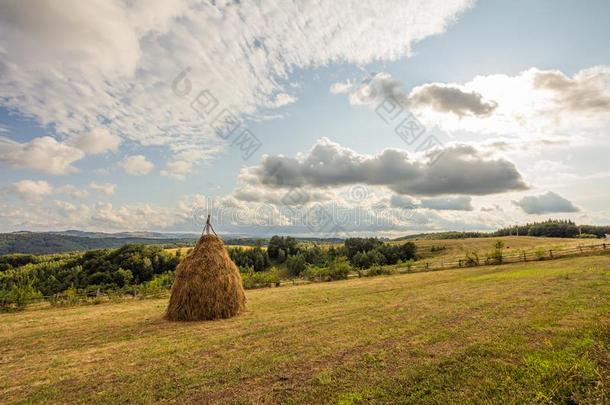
pixel 455 249
pixel 517 333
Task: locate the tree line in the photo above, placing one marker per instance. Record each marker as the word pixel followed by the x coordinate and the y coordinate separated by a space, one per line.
pixel 555 228
pixel 149 267
pixel 296 256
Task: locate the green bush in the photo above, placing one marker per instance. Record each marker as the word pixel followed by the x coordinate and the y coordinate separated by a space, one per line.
pixel 338 269
pixel 19 295
pixel 260 279
pixel 472 258
pixel 296 264
pixel 159 285
pixel 496 255
pixel 380 270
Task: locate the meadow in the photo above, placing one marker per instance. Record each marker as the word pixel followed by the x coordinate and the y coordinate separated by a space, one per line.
pixel 517 333
pixel 455 249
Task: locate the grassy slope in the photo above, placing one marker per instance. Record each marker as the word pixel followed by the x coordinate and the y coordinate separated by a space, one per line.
pixel 515 333
pixel 455 248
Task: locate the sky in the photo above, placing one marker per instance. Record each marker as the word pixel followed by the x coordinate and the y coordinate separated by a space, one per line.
pixel 325 118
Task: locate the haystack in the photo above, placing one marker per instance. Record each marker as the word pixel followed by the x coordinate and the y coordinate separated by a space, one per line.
pixel 207 285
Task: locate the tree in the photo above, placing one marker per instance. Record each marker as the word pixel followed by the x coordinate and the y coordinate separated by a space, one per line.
pixel 295 264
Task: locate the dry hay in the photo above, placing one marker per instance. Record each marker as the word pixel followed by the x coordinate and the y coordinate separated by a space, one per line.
pixel 208 284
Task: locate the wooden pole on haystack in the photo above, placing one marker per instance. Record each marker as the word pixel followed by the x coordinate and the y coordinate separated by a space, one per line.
pixel 208 227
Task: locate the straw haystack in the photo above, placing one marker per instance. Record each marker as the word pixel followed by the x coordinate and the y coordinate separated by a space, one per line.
pixel 207 285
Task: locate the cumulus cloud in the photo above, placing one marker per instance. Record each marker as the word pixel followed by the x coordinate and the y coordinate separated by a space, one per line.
pixel 136 165
pixel 72 191
pixel 460 170
pixel 341 87
pixel 177 170
pixel 282 99
pixel 373 90
pixel 31 190
pixel 43 154
pixel 104 188
pixel 587 91
pixel 34 190
pixel 97 141
pixel 534 104
pixel 112 63
pixel 459 203
pixel 548 203
pixel 451 99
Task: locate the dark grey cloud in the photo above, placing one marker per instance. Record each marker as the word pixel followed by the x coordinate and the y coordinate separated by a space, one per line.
pixel 449 98
pixel 459 203
pixel 548 203
pixel 585 92
pixel 460 170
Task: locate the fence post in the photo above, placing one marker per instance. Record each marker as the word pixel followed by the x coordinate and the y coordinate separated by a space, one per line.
pixel 427 265
pixel 604 246
pixel 524 257
pixel 551 253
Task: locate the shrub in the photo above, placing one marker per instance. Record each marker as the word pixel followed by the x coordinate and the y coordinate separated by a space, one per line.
pixel 540 253
pixel 472 258
pixel 337 270
pixel 295 264
pixel 496 255
pixel 379 270
pixel 19 295
pixel 158 285
pixel 260 279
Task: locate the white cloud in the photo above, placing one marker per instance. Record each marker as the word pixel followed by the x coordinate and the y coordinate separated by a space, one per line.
pixel 136 165
pixel 112 63
pixel 177 170
pixel 535 104
pixel 341 87
pixel 374 90
pixel 104 188
pixel 31 190
pixel 72 191
pixel 97 141
pixel 43 154
pixel 282 99
pixel 34 190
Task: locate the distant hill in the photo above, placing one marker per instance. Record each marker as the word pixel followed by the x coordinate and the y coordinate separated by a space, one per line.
pixel 72 241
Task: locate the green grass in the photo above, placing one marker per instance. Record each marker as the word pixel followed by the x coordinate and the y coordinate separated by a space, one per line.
pixel 523 333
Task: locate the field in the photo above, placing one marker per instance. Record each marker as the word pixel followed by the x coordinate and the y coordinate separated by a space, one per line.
pixel 528 332
pixel 454 249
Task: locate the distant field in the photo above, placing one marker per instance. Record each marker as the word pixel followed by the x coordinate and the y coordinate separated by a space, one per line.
pixel 455 248
pixel 520 333
pixel 184 250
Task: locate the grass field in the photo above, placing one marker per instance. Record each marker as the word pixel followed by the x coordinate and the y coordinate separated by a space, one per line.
pixel 520 333
pixel 455 248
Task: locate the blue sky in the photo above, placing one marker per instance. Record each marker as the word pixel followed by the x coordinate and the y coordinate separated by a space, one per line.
pixel 124 152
